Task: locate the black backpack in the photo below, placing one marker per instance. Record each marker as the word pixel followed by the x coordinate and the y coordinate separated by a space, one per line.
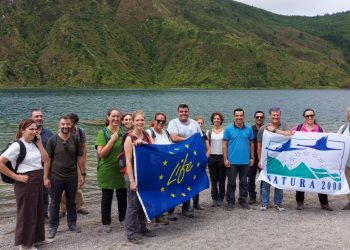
pixel 21 156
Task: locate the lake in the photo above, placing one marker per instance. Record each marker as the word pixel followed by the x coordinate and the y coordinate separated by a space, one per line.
pixel 330 106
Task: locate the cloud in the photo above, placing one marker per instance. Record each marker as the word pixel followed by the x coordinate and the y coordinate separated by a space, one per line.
pixel 300 7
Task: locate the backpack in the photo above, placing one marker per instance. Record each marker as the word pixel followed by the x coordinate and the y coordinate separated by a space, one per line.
pixel 121 156
pixel 344 128
pixel 21 156
pixel 153 134
pixel 320 130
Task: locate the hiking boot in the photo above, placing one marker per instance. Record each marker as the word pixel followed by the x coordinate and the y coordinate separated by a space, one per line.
pixel 52 232
pixel 172 217
pixel 82 211
pixel 326 207
pixel 244 205
pixel 61 215
pixel 279 208
pixel 300 205
pixel 230 207
pixel 74 229
pixel 148 233
pixel 106 228
pixel 263 207
pixel 162 221
pixel 135 240
pixel 346 207
pixel 188 214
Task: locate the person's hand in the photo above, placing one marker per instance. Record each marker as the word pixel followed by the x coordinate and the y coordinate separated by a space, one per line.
pixel 114 136
pixel 139 142
pixel 81 181
pixel 21 178
pixel 259 165
pixel 47 183
pixel 133 186
pixel 251 162
pixel 227 163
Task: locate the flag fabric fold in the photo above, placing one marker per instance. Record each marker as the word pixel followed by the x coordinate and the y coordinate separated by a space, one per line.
pixel 308 162
pixel 167 175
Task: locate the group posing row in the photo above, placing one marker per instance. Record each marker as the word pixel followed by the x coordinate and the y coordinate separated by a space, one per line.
pixel 232 151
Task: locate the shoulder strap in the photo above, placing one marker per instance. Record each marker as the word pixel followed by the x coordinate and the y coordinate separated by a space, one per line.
pixel 80 132
pixel 299 127
pixel 153 133
pixel 105 134
pixel 209 136
pixel 53 142
pixel 22 154
pixel 167 133
pixel 344 128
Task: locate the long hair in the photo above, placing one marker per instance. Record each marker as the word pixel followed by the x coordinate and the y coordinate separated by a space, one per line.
pixel 109 111
pixel 22 126
pixel 155 117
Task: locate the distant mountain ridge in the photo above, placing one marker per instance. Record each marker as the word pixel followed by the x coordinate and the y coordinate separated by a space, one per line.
pixel 169 43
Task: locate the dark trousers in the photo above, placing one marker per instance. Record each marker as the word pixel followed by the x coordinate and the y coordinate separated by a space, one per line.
pixel 46 200
pixel 232 172
pixel 70 188
pixel 253 170
pixel 300 196
pixel 106 204
pixel 217 172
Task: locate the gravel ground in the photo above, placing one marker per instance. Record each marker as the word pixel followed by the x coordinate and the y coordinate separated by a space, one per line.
pixel 215 228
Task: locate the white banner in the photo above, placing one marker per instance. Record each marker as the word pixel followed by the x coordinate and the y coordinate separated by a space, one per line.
pixel 309 162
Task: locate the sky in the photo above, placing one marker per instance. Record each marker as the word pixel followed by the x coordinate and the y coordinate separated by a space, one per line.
pixel 300 7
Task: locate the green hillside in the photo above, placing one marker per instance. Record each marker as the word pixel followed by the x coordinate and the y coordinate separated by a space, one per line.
pixel 168 43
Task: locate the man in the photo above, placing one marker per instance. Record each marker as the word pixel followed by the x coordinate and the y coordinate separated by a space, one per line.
pixel 45 134
pixel 274 126
pixel 345 130
pixel 259 122
pixel 79 199
pixel 238 153
pixel 61 174
pixel 180 129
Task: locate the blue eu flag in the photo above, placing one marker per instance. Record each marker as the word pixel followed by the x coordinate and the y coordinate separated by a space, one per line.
pixel 167 175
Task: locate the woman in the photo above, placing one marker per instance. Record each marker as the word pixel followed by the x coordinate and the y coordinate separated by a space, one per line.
pixel 127 121
pixel 217 170
pixel 109 178
pixel 28 184
pixel 135 219
pixel 200 121
pixel 310 125
pixel 161 136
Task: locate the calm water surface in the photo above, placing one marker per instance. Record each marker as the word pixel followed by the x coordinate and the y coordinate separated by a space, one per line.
pixel 15 105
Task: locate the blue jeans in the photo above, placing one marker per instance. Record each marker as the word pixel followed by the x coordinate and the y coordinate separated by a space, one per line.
pixel 70 187
pixel 265 194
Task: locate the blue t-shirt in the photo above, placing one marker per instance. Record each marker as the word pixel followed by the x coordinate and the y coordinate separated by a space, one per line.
pixel 238 149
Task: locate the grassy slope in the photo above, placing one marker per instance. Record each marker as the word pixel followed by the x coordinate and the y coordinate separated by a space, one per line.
pixel 163 43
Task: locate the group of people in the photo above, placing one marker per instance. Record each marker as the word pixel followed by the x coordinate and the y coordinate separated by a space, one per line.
pixel 57 162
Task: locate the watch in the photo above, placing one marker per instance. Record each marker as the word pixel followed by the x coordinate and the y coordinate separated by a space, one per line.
pixel 83 174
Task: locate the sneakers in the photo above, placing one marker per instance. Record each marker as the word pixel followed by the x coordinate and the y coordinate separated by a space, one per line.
pixel 122 224
pixel 148 233
pixel 44 242
pixel 252 201
pixel 215 203
pixel 244 205
pixel 52 232
pixel 137 240
pixel 106 228
pixel 172 217
pixel 198 207
pixel 279 208
pixel 61 215
pixel 219 202
pixel 82 211
pixel 23 247
pixel 74 229
pixel 263 208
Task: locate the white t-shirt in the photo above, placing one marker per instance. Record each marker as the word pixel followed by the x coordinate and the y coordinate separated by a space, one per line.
pixel 346 132
pixel 161 139
pixel 185 130
pixel 31 162
pixel 216 141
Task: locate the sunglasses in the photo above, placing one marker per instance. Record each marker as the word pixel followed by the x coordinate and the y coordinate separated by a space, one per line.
pixel 65 145
pixel 161 121
pixel 309 116
pixel 259 117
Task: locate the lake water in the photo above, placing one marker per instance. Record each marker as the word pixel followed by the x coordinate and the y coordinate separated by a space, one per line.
pixel 330 106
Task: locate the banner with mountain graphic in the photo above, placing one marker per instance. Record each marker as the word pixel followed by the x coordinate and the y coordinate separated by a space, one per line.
pixel 310 162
